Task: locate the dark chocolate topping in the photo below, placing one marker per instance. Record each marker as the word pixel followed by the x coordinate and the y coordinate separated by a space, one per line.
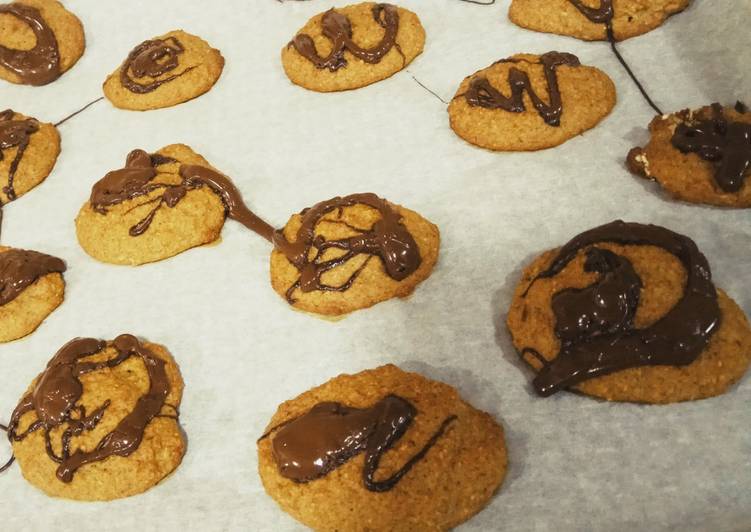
pixel 148 61
pixel 596 324
pixel 330 434
pixel 19 269
pixel 603 14
pixel 12 458
pixel 55 398
pixel 725 143
pixel 15 134
pixel 388 239
pixel 482 94
pixel 338 29
pixel 136 180
pixel 41 64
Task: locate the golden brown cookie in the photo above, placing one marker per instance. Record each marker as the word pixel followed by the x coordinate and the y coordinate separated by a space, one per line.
pixel 700 156
pixel 165 71
pixel 28 152
pixel 31 288
pixel 144 227
pixel 460 454
pixel 590 303
pixel 109 411
pixel 350 253
pixel 554 99
pixel 39 40
pixel 629 18
pixel 354 46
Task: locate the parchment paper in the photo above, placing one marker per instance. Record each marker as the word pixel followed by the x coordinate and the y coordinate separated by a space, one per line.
pixel 576 464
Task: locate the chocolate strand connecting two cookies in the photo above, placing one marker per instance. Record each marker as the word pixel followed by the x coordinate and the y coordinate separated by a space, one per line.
pixel 604 15
pixel 595 325
pixel 482 94
pixel 159 182
pixel 39 65
pixel 330 434
pixel 338 29
pixel 58 390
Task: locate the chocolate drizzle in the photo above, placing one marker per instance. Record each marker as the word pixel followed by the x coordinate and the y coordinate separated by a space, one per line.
pixel 152 59
pixel 19 269
pixel 14 134
pixel 596 324
pixel 388 239
pixel 725 143
pixel 58 390
pixel 330 434
pixel 12 458
pixel 338 29
pixel 604 15
pixel 482 94
pixel 136 180
pixel 41 64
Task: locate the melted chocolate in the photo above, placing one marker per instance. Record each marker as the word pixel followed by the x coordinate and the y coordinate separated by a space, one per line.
pixel 388 239
pixel 482 94
pixel 338 29
pixel 41 64
pixel 725 143
pixel 19 269
pixel 596 324
pixel 15 134
pixel 600 15
pixel 149 60
pixel 58 390
pixel 136 180
pixel 330 434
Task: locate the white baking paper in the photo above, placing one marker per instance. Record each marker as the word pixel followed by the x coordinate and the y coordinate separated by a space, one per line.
pixel 576 464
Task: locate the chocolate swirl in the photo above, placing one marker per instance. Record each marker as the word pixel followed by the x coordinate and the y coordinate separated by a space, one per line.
pixel 387 239
pixel 482 94
pixel 136 180
pixel 15 134
pixel 330 434
pixel 19 269
pixel 41 64
pixel 725 143
pixel 596 324
pixel 58 390
pixel 338 29
pixel 149 60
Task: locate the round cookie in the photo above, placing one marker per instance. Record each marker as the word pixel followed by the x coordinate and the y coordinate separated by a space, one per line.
pixel 364 276
pixel 629 17
pixel 28 152
pixel 133 386
pixel 106 233
pixel 532 322
pixel 31 288
pixel 52 50
pixel 373 42
pixel 688 175
pixel 566 99
pixel 452 481
pixel 165 71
